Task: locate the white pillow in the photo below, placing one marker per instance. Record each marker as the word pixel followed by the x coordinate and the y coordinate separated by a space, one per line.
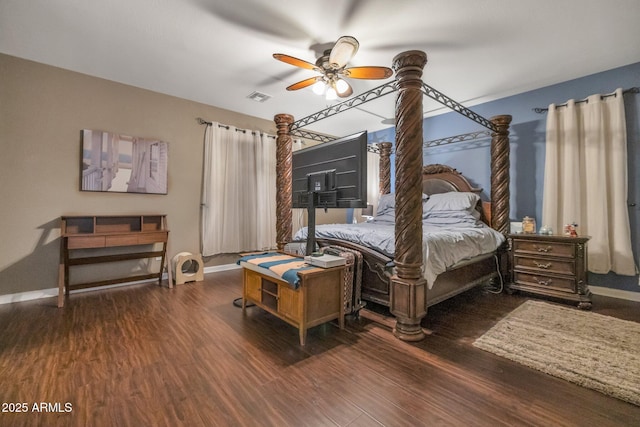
pixel 387 203
pixel 452 201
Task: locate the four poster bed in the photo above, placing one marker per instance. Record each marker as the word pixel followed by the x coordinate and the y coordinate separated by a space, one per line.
pixel 458 244
pixel 401 280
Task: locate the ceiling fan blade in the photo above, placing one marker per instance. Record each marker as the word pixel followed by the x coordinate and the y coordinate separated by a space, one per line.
pixel 304 83
pixel 296 62
pixel 368 72
pixel 342 52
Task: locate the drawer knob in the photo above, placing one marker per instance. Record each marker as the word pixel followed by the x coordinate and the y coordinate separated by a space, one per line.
pixel 540 265
pixel 543 248
pixel 543 282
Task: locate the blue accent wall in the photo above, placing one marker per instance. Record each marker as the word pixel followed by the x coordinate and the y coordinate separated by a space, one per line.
pixel 527 140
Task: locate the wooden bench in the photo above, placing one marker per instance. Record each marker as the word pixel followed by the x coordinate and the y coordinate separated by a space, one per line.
pixel 318 298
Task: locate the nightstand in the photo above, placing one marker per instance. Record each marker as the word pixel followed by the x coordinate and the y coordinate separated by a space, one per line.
pixel 550 265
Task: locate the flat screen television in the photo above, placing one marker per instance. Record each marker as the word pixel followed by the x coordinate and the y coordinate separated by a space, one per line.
pixel 335 171
pixel 330 175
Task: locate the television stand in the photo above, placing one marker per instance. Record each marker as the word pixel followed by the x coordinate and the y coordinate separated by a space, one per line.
pixel 317 199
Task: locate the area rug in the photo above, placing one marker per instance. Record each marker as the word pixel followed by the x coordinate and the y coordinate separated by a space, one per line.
pixel 588 349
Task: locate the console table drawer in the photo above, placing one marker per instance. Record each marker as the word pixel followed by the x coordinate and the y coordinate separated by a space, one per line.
pixel 82 242
pixel 121 240
pixel 567 284
pixel 148 238
pixel 558 266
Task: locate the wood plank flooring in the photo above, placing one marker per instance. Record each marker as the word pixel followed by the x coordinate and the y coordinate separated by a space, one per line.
pixel 143 355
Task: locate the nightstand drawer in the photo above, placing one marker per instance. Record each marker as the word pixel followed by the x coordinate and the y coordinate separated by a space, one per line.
pixel 544 248
pixel 564 284
pixel 549 265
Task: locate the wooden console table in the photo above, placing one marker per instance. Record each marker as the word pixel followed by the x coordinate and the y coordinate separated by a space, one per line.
pixel 93 232
pixel 319 297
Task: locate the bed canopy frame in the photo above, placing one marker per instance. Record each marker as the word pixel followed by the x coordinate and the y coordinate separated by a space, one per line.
pixel 407 287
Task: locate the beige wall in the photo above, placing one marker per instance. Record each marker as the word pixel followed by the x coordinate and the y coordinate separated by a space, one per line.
pixel 42 112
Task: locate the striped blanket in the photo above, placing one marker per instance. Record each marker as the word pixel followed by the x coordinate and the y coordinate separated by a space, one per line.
pixel 282 265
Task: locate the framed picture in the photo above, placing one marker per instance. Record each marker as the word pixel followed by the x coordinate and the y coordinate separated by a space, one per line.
pixel 123 164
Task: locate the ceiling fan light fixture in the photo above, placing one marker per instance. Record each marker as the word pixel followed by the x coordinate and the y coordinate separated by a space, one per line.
pixel 319 87
pixel 344 49
pixel 331 93
pixel 341 86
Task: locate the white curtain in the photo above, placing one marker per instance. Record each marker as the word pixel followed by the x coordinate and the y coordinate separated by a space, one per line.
pixel 585 179
pixel 238 191
pixel 265 211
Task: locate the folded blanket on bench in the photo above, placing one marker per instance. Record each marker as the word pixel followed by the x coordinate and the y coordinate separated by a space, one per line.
pixel 282 265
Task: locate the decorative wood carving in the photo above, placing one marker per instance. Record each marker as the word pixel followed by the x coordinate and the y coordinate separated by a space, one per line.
pixel 500 174
pixel 385 167
pixel 450 175
pixel 408 234
pixel 284 221
pixel 408 288
pixel 438 168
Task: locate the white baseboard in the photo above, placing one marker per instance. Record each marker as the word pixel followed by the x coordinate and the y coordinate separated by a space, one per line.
pixel 615 293
pixel 27 296
pixel 224 267
pixel 53 292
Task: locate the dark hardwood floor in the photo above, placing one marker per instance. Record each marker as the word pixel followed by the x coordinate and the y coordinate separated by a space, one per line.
pixel 143 355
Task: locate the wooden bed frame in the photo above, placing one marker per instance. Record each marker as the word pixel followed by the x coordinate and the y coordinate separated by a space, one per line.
pixel 377 268
pixel 406 290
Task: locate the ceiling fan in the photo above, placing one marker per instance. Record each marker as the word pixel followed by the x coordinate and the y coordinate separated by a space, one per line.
pixel 332 65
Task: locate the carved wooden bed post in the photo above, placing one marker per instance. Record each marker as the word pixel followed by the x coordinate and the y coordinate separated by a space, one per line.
pixel 385 167
pixel 284 150
pixel 408 288
pixel 500 174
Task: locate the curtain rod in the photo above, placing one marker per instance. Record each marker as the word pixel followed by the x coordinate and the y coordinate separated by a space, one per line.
pixel 204 122
pixel 624 92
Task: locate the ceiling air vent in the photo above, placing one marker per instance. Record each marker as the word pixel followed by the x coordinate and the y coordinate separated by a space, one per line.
pixel 259 96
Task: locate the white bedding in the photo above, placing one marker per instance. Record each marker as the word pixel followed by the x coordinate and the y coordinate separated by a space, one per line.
pixel 442 246
pixel 451 230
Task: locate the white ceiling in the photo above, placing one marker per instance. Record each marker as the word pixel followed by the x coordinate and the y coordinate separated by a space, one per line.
pixel 219 51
